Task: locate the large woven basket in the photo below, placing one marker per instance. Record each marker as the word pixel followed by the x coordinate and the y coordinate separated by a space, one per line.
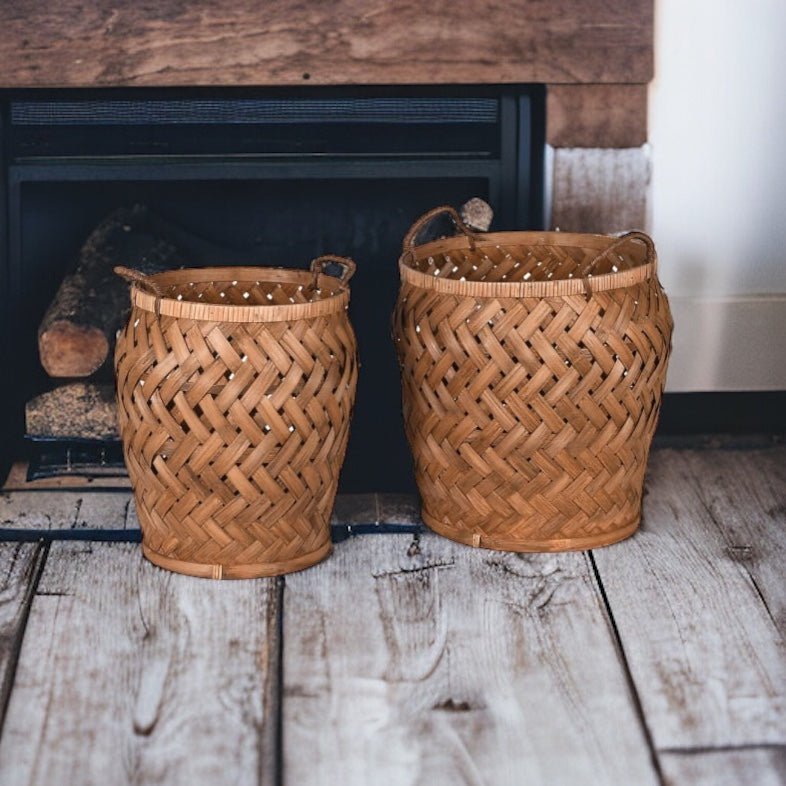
pixel 532 367
pixel 235 389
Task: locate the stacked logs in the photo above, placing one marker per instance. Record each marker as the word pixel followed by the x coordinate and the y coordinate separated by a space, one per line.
pixel 76 336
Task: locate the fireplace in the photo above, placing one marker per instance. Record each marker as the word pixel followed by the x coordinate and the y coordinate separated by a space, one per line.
pixel 260 176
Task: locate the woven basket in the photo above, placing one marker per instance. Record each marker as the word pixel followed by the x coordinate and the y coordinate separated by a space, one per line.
pixel 532 367
pixel 235 388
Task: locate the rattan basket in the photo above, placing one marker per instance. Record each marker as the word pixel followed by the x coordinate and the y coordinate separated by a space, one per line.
pixel 235 389
pixel 532 368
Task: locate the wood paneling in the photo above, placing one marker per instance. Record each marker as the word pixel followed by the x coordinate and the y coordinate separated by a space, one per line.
pixel 596 115
pixel 293 42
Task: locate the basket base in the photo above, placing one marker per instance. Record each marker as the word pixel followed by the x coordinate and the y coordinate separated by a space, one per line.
pixel 250 571
pixel 479 540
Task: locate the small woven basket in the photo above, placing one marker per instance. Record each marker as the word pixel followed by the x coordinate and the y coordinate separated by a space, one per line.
pixel 235 388
pixel 532 368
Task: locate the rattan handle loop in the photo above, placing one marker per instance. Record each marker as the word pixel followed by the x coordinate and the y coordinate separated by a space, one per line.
pixel 347 265
pixel 135 277
pixel 620 241
pixel 142 281
pixel 418 226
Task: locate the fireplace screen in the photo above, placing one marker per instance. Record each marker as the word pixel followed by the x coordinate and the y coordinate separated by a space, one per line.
pixel 261 178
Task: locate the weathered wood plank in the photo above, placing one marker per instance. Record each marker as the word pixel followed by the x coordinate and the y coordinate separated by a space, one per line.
pixel 52 511
pixel 705 654
pixel 759 766
pixel 399 509
pixel 745 494
pixel 596 190
pixel 434 663
pixel 290 42
pixel 596 115
pixel 31 510
pixel 355 509
pixel 17 481
pixel 103 511
pixel 19 567
pixel 129 674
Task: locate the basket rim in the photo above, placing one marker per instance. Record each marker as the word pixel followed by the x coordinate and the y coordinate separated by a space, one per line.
pixel 522 289
pixel 214 312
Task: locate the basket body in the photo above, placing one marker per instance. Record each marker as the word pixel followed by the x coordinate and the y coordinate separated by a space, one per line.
pixel 530 391
pixel 234 411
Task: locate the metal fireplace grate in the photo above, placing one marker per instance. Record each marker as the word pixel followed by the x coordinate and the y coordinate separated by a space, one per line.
pixel 51 458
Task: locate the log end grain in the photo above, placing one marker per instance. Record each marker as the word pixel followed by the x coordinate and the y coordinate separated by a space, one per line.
pixel 78 330
pixel 70 350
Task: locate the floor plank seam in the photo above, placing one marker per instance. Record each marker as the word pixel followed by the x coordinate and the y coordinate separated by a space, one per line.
pixel 339 533
pixel 53 535
pixel 698 750
pixel 762 599
pixel 634 693
pixel 278 688
pixel 7 686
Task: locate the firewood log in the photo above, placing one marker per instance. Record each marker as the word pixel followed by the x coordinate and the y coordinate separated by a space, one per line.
pixel 79 410
pixel 78 330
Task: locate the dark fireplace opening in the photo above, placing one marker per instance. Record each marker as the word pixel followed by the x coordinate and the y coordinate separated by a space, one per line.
pixel 259 177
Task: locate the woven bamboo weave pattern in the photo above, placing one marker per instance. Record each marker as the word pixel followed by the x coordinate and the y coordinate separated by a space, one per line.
pixel 532 369
pixel 235 391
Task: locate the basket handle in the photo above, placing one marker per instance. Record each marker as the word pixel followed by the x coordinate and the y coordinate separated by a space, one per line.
pixel 620 241
pixel 347 265
pixel 418 226
pixel 142 281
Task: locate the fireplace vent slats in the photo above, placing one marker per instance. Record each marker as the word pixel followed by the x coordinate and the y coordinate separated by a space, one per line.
pixel 256 111
pixel 407 123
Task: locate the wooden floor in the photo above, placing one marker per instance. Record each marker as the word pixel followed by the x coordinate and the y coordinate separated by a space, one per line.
pixel 405 658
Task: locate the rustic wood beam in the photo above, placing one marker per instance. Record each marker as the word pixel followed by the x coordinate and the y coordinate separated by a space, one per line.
pixel 288 42
pixel 596 115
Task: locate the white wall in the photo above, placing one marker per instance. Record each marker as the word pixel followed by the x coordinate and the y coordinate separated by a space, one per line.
pixel 718 202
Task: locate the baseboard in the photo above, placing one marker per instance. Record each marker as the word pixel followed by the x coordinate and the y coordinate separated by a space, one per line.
pixel 723 417
pixel 728 344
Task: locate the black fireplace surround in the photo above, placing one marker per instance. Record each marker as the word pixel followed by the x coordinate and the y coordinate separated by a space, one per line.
pixel 275 177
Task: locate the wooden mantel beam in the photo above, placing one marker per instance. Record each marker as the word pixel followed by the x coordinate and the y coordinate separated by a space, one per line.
pixel 596 115
pixel 94 43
